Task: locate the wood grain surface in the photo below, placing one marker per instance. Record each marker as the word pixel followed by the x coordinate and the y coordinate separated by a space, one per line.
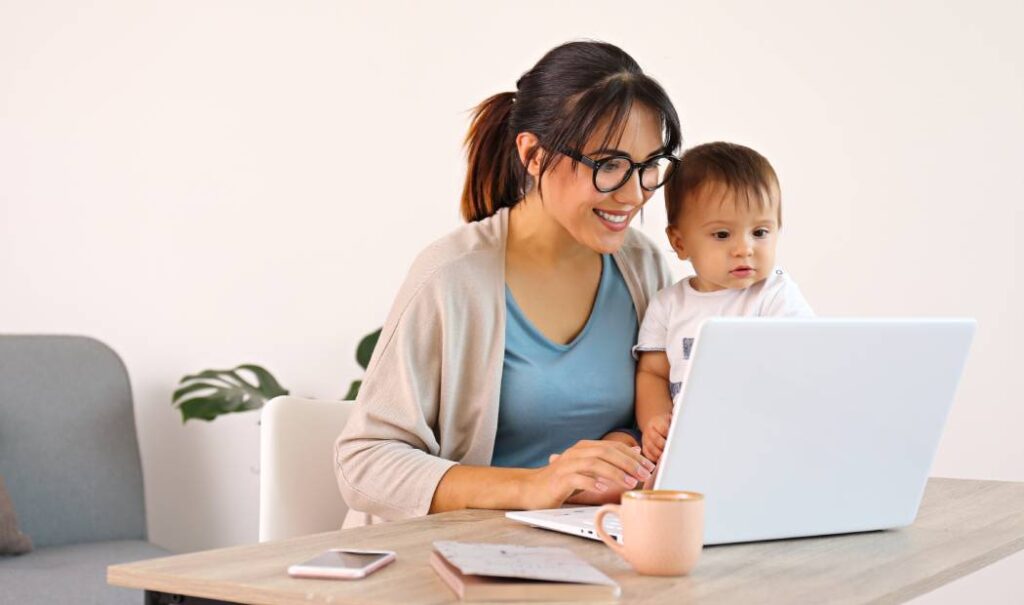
pixel 962 526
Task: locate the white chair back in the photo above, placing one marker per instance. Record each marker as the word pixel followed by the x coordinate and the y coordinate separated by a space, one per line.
pixel 298 491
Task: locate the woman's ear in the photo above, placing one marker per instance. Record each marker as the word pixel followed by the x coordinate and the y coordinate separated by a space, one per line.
pixel 676 239
pixel 526 142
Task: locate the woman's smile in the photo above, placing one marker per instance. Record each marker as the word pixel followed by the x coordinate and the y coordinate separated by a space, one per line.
pixel 616 221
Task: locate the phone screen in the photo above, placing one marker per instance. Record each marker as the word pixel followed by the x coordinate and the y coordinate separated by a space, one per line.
pixel 344 560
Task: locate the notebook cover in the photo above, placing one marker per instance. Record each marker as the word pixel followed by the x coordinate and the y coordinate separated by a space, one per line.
pixel 489 588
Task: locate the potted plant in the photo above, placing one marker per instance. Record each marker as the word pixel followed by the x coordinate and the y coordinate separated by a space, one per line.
pixel 211 393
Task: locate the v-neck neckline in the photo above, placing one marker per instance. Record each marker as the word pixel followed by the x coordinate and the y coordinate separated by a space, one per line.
pixel 595 307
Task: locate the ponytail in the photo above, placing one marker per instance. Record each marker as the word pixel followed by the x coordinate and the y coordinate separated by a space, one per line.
pixel 495 174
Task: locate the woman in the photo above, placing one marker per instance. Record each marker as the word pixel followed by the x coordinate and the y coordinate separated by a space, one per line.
pixel 503 370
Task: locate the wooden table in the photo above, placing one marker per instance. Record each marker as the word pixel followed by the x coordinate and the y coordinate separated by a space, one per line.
pixel 963 525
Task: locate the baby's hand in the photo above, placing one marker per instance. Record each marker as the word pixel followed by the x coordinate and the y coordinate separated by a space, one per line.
pixel 655 434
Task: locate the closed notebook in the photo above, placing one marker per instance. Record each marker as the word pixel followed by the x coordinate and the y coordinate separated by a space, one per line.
pixel 508 572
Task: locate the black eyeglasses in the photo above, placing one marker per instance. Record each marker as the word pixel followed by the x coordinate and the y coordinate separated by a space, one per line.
pixel 614 171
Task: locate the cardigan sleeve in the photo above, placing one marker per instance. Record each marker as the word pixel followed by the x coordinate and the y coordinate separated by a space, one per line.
pixel 387 459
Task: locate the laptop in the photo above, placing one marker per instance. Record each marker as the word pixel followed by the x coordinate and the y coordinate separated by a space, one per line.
pixel 804 427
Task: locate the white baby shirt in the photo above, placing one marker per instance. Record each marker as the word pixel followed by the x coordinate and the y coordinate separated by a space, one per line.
pixel 677 311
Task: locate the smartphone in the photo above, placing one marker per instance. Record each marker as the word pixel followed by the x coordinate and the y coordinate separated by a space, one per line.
pixel 342 563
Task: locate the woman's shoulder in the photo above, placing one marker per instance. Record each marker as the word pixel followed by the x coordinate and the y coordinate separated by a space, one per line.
pixel 639 248
pixel 479 244
pixel 469 258
pixel 646 257
pixel 636 240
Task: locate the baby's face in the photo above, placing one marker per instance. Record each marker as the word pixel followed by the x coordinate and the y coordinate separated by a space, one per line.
pixel 729 242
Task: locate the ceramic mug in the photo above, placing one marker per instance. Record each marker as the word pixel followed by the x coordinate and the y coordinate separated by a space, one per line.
pixel 662 530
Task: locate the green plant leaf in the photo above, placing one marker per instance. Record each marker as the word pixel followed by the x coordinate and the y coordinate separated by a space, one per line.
pixel 201 408
pixel 210 393
pixel 353 390
pixel 264 377
pixel 191 388
pixel 365 349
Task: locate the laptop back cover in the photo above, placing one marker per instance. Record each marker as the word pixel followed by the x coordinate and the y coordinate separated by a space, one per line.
pixel 802 427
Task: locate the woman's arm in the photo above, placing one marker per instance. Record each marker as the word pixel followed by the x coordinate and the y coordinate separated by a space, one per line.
pixel 479 487
pixel 389 456
pixel 603 466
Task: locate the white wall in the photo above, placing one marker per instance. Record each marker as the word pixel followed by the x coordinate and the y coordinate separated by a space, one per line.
pixel 207 183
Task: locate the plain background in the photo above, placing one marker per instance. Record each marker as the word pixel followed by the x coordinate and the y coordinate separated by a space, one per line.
pixel 202 184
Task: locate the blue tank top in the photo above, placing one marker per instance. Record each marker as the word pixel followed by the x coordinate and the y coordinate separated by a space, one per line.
pixel 553 395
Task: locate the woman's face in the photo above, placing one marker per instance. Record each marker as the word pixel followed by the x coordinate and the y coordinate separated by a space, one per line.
pixel 594 219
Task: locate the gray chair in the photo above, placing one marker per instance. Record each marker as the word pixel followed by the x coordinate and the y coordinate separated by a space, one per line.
pixel 69 457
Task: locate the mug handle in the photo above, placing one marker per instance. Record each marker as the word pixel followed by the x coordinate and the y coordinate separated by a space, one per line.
pixel 601 533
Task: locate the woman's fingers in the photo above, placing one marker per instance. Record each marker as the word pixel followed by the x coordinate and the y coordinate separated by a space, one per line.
pixel 576 482
pixel 632 460
pixel 601 471
pixel 603 468
pixel 627 458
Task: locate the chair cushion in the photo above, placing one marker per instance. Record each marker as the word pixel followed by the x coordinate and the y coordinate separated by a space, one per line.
pixel 75 573
pixel 12 541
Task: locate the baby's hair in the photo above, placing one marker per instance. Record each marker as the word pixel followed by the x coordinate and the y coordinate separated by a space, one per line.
pixel 740 169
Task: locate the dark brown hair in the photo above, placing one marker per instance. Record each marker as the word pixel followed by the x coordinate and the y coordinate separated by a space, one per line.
pixel 571 92
pixel 739 168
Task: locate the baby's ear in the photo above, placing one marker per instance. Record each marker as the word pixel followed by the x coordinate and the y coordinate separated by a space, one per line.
pixel 677 242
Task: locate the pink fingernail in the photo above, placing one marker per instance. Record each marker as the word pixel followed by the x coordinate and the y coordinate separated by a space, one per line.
pixel 601 487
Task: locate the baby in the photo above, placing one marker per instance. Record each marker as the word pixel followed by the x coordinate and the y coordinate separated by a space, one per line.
pixel 724 213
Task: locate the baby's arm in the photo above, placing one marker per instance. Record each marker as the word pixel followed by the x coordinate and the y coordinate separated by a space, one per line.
pixel 653 404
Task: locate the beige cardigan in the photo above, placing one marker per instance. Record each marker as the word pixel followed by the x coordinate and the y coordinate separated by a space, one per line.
pixel 429 398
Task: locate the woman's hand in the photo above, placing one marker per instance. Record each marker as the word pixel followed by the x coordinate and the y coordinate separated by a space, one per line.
pixel 655 436
pixel 591 470
pixel 592 497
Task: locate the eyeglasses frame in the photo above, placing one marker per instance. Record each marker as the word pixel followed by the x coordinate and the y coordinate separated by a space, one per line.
pixel 595 166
